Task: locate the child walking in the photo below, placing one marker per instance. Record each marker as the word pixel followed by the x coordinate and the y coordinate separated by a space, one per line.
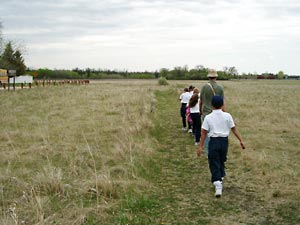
pixel 195 115
pixel 184 99
pixel 217 126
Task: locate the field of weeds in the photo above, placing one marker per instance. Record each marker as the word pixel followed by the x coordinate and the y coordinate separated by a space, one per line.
pixel 112 152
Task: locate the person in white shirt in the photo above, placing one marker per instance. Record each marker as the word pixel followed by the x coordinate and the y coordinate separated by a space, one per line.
pixel 184 99
pixel 191 91
pixel 217 126
pixel 195 115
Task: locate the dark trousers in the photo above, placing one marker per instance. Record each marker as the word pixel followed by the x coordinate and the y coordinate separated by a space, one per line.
pixel 196 125
pixel 183 114
pixel 189 125
pixel 217 156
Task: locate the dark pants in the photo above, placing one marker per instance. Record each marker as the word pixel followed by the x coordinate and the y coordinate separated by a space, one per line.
pixel 196 125
pixel 217 156
pixel 183 114
pixel 189 125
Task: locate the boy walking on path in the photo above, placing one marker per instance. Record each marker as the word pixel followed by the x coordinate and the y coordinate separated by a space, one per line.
pixel 217 126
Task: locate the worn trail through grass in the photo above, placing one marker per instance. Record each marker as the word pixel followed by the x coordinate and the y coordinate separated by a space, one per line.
pixel 183 179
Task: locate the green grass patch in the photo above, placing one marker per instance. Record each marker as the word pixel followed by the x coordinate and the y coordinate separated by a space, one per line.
pixel 289 213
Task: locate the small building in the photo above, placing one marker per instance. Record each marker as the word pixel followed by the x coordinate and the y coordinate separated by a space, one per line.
pixel 25 79
pixel 292 77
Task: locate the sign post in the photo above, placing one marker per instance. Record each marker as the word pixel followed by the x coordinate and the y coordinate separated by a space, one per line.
pixel 12 73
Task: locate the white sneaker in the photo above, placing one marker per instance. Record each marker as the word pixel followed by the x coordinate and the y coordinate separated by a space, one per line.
pixel 184 129
pixel 196 143
pixel 218 186
pixel 190 131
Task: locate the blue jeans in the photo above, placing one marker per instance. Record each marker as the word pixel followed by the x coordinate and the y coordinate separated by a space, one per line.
pixel 217 156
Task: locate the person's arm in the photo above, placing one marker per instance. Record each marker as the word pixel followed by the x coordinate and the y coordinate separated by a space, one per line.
pixel 238 136
pixel 202 140
pixel 180 96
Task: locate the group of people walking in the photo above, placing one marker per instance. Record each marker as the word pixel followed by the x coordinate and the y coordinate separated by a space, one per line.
pixel 203 114
pixel 190 112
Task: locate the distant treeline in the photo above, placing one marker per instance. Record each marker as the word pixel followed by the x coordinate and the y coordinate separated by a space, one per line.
pixel 178 73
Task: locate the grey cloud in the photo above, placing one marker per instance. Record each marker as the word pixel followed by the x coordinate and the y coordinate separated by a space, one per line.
pixel 62 19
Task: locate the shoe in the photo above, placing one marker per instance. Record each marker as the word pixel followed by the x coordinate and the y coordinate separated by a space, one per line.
pixel 218 193
pixel 190 131
pixel 184 129
pixel 218 186
pixel 196 143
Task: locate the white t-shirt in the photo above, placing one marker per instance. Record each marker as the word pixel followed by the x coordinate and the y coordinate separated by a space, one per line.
pixel 218 123
pixel 196 108
pixel 185 97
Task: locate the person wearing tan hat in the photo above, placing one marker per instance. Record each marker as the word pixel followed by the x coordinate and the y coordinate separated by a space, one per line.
pixel 209 90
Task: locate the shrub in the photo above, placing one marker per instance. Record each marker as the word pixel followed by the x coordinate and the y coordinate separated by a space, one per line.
pixel 162 81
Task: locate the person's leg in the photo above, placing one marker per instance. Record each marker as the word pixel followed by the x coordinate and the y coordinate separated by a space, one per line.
pixel 223 156
pixel 214 160
pixel 193 116
pixel 197 127
pixel 182 113
pixel 189 120
pixel 214 166
pixel 183 121
pixel 189 125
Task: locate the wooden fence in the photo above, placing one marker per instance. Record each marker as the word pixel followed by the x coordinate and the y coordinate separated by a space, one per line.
pixel 40 83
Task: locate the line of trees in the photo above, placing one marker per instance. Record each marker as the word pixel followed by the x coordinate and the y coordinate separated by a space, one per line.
pixel 90 74
pixel 178 73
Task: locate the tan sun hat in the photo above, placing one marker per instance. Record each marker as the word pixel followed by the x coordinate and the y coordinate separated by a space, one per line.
pixel 212 73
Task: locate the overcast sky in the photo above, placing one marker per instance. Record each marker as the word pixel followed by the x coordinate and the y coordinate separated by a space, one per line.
pixel 138 35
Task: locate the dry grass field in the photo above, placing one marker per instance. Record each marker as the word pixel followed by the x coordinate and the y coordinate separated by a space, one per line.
pixel 113 152
pixel 70 151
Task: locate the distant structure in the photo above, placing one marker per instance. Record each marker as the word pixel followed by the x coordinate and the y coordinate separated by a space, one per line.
pixel 292 77
pixel 274 76
pixel 267 76
pixel 25 79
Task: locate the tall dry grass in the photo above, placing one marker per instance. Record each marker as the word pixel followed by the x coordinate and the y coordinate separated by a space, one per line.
pixel 71 151
pixel 267 113
pixel 269 116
